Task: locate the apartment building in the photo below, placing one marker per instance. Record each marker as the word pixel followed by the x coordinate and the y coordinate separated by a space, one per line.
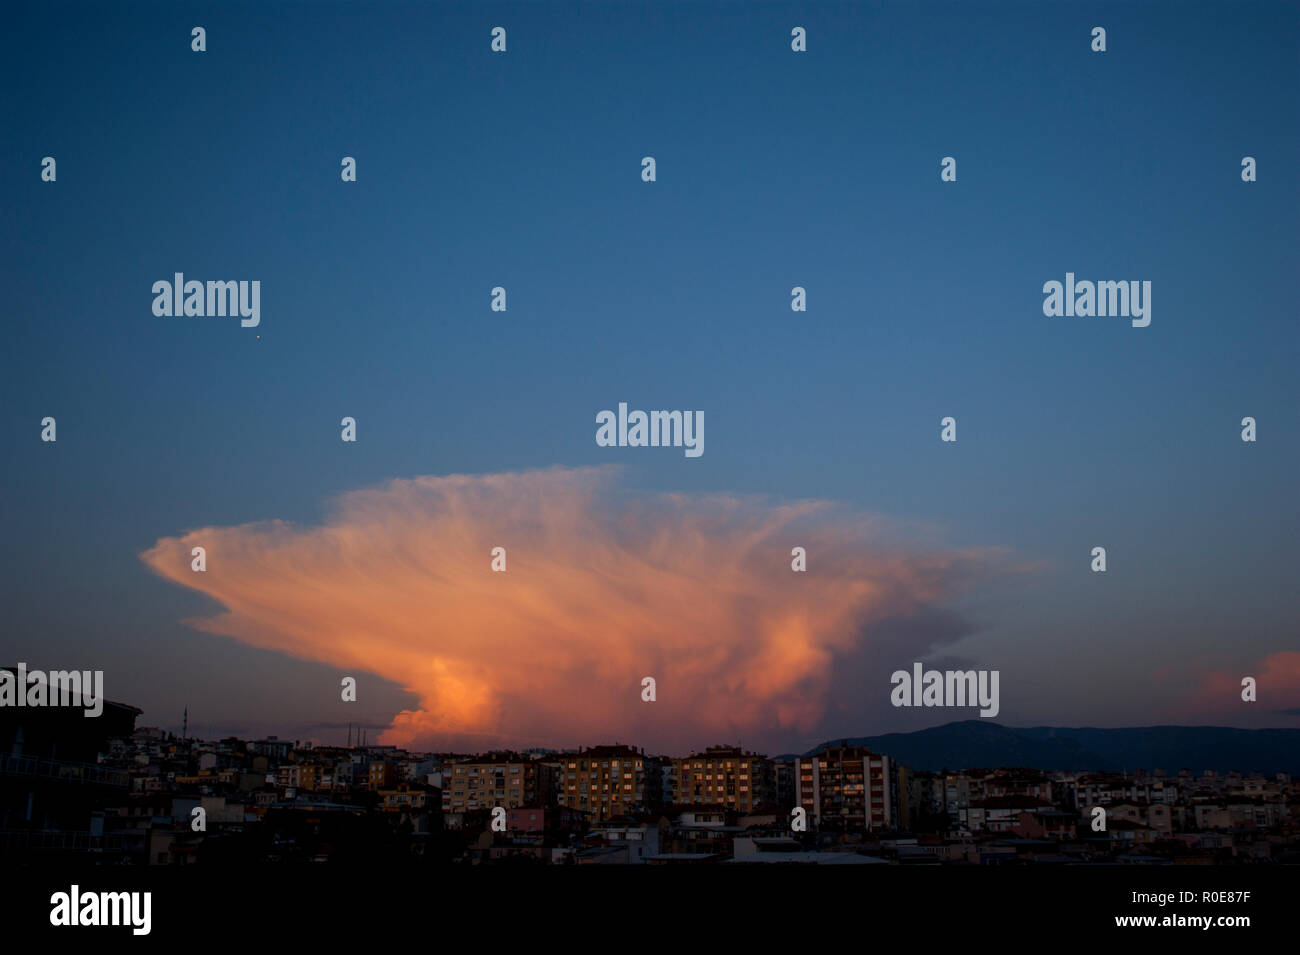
pixel 726 776
pixel 498 779
pixel 851 789
pixel 610 781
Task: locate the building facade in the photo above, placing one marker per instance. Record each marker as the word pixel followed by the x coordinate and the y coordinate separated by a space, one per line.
pixel 499 779
pixel 726 776
pixel 851 789
pixel 610 781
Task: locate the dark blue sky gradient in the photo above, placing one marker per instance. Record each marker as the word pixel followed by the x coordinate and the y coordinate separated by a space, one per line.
pixel 774 170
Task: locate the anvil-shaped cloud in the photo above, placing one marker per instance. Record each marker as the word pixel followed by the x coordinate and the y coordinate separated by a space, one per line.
pixel 603 587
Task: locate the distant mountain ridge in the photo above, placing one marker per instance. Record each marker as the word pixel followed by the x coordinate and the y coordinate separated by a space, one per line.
pixel 977 743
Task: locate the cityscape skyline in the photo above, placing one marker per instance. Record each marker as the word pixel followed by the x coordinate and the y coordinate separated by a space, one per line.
pixel 105 790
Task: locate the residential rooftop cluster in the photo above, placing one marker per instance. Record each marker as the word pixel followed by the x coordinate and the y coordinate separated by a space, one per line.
pixel 106 790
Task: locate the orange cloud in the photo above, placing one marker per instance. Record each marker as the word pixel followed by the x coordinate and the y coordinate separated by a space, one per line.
pixel 603 588
pixel 1277 687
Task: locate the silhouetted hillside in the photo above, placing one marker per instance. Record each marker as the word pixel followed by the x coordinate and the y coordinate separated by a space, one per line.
pixel 979 743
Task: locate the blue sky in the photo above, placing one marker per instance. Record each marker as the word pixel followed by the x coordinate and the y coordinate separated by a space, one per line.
pixel 775 169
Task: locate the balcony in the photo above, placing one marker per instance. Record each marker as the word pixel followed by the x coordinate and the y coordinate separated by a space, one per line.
pixel 85 773
pixel 25 840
